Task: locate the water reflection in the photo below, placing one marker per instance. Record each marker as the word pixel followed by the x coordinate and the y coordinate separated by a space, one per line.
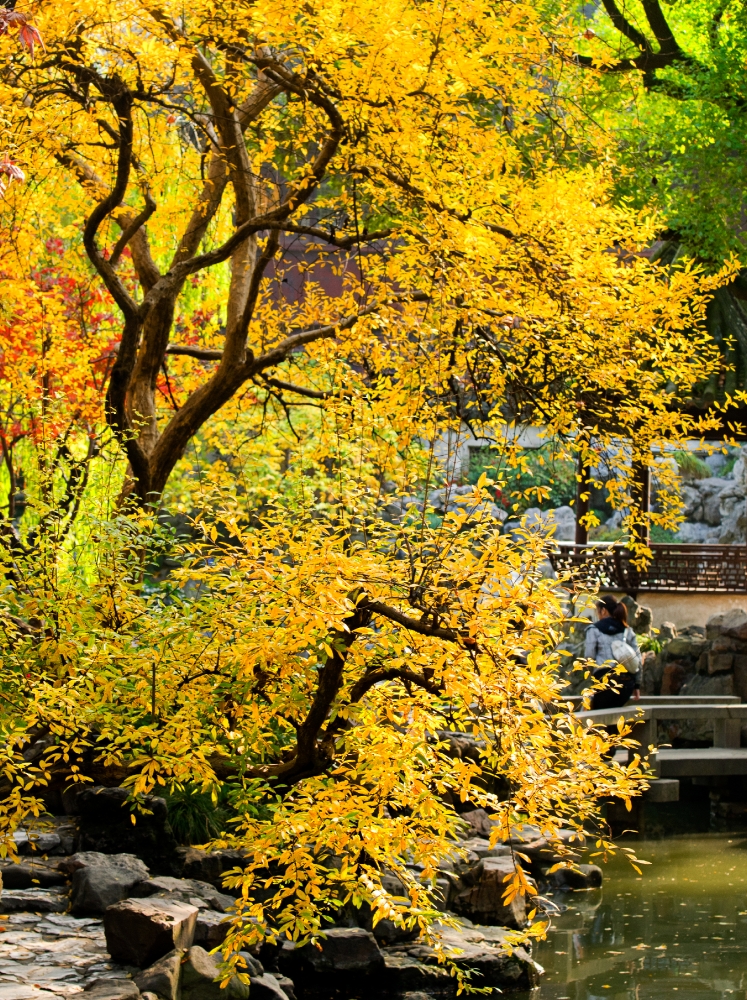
pixel 679 932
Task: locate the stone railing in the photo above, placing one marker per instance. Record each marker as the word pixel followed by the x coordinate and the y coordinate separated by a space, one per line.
pixel 712 569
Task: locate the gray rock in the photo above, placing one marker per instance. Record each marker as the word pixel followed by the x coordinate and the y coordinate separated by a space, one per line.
pixel 207 866
pixel 710 491
pixel 696 534
pixel 693 503
pixel 211 929
pixel 101 879
pixel 739 472
pixel 684 649
pixel 579 877
pixel 200 979
pixel 287 986
pixel 715 462
pixel 408 977
pixel 266 987
pixel 482 897
pixel 343 950
pixel 734 624
pixel 703 685
pixel 32 874
pixel 140 931
pixel 524 833
pixel 561 521
pixel 667 631
pixel 481 847
pixel 733 512
pixel 185 888
pixel 487 951
pixel 110 989
pixel 162 978
pixel 105 825
pixel 34 901
pixel 252 964
pixel 480 824
pixel 651 673
pixel 36 841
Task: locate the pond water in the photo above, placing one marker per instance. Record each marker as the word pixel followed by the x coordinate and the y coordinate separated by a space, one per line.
pixel 679 932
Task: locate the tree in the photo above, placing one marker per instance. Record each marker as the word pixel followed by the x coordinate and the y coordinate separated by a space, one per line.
pixel 312 653
pixel 443 206
pixel 674 82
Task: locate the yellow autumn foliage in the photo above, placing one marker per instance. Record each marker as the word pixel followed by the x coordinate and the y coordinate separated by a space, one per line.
pixel 392 215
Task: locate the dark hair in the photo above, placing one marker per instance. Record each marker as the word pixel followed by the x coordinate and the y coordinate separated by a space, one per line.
pixel 616 608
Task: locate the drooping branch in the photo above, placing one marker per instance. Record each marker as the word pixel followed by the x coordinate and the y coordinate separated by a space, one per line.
pixel 437 206
pixel 328 235
pixel 299 390
pixel 314 750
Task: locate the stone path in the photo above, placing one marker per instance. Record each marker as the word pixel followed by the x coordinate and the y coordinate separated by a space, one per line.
pixel 52 956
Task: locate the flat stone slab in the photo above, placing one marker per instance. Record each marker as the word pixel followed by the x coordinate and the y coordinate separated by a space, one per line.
pixel 666 710
pixel 53 956
pixel 705 762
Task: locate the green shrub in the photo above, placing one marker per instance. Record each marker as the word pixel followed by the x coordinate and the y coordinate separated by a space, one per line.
pixel 555 476
pixel 194 816
pixel 690 466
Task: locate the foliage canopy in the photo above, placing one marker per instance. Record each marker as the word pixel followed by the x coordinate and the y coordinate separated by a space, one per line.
pixel 272 254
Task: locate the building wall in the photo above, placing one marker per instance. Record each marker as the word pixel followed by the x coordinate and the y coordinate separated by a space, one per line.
pixel 689 609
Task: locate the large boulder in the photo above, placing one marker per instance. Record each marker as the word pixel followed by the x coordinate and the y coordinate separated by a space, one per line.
pixel 105 824
pixel 101 879
pixel 38 842
pixel 561 521
pixel 140 931
pixel 346 954
pixel 732 623
pixel 714 685
pixel 710 491
pixel 693 503
pixel 110 989
pixel 696 534
pixel 495 963
pixel 482 898
pixel 478 822
pixel 201 979
pixel 211 929
pixel 162 978
pixel 207 866
pixel 685 649
pixel 186 889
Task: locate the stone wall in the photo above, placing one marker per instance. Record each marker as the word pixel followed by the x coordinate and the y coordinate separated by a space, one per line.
pixel 710 660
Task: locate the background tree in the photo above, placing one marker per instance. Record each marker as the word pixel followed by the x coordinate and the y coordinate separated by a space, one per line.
pixel 673 78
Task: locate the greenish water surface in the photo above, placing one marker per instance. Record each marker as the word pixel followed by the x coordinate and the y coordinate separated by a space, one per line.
pixel 679 931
